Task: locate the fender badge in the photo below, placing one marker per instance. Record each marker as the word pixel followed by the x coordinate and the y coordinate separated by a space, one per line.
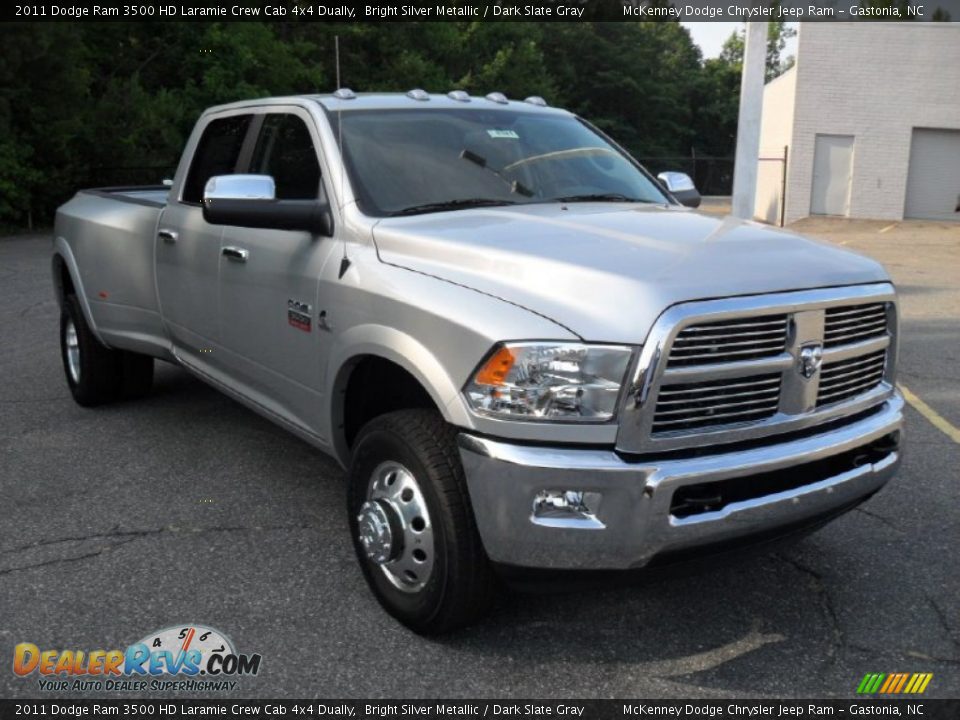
pixel 298 315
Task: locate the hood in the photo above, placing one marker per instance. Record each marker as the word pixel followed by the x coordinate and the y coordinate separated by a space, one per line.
pixel 607 271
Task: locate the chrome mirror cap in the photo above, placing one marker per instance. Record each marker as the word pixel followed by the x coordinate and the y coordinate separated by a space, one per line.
pixel 240 187
pixel 676 181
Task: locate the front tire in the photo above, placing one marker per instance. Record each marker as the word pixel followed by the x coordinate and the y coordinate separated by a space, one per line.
pixel 412 523
pixel 95 373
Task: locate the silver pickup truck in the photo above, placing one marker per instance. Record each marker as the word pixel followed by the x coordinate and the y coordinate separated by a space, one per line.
pixel 526 352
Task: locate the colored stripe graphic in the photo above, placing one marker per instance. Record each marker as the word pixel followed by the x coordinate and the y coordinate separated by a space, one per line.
pixel 894 683
pixel 914 681
pixel 903 680
pixel 891 680
pixel 870 683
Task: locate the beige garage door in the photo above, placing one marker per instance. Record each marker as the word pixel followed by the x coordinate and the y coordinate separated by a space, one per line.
pixel 933 183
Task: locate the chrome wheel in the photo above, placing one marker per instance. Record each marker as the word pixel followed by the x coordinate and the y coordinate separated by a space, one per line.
pixel 394 527
pixel 73 351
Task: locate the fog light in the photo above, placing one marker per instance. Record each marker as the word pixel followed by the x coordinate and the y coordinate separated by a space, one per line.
pixel 572 509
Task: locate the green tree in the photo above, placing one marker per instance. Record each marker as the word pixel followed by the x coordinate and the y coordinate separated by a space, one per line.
pixel 113 103
pixel 633 80
pixel 44 87
pixel 717 106
pixel 777 35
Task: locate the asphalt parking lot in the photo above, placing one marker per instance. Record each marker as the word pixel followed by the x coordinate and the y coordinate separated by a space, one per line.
pixel 185 507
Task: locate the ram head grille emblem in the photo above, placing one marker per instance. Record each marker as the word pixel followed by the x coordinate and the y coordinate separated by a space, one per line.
pixel 810 360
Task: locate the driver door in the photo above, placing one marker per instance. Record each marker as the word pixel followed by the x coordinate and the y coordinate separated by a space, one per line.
pixel 269 283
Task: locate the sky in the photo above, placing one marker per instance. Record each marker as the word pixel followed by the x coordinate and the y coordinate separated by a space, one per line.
pixel 710 36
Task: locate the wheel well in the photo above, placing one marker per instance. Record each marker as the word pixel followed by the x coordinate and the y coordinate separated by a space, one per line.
pixel 377 386
pixel 62 278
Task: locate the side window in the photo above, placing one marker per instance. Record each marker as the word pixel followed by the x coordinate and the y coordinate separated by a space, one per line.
pixel 285 151
pixel 216 154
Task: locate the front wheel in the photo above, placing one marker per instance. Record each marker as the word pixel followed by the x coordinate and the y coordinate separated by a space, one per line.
pixel 412 523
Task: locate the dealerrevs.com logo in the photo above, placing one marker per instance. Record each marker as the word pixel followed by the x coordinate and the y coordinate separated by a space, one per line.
pixel 183 657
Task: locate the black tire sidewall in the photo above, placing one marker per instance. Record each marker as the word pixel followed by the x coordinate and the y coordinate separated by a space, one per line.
pixel 100 372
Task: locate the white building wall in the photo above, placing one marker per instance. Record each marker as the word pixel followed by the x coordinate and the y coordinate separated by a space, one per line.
pixel 875 81
pixel 776 129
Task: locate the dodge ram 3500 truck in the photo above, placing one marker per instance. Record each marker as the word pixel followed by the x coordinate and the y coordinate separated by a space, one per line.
pixel 526 352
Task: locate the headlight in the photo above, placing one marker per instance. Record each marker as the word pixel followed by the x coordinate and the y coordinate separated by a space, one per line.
pixel 559 382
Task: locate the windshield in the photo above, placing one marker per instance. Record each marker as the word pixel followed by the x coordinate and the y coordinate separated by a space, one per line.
pixel 426 160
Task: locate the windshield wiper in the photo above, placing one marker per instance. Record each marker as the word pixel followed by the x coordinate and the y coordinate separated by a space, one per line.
pixel 480 161
pixel 601 197
pixel 460 204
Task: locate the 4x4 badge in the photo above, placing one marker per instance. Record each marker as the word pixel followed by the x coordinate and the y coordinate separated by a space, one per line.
pixel 810 360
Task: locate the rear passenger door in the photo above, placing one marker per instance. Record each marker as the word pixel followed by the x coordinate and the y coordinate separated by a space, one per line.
pixel 269 282
pixel 187 249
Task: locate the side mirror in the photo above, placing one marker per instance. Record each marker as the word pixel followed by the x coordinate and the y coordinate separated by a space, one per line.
pixel 681 187
pixel 251 201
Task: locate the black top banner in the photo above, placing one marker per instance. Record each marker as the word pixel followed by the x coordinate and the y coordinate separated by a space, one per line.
pixel 489 11
pixel 927 709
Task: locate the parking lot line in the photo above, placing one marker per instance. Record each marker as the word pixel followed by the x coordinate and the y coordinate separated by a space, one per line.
pixel 888 228
pixel 935 418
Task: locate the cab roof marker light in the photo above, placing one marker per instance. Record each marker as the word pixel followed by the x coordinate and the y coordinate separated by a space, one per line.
pixel 459 96
pixel 345 94
pixel 536 100
pixel 418 94
pixel 497 97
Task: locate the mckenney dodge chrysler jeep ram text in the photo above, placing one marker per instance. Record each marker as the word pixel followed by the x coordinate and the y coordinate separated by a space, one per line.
pixel 527 353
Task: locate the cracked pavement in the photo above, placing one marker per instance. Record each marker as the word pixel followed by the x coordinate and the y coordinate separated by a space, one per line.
pixel 185 507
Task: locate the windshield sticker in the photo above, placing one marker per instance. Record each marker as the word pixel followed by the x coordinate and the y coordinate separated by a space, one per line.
pixel 503 134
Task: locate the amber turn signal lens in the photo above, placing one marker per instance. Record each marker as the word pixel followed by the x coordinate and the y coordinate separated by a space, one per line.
pixel 495 370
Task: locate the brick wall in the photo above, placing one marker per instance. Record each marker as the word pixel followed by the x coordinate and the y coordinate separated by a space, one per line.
pixel 874 81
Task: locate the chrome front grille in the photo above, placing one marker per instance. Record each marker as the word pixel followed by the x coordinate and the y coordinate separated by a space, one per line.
pixel 851 323
pixel 745 368
pixel 741 339
pixel 845 379
pixel 695 405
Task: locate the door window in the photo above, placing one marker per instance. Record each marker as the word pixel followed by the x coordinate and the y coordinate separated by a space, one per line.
pixel 217 154
pixel 285 151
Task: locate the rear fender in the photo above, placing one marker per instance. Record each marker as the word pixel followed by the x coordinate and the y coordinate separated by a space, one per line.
pixel 63 257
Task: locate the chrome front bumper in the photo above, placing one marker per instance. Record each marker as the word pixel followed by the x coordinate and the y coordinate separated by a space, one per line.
pixel 635 522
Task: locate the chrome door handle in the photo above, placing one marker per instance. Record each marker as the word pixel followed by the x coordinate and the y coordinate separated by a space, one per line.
pixel 234 253
pixel 168 236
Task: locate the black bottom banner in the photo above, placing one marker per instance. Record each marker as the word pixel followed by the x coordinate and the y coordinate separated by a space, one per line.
pixel 475 709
